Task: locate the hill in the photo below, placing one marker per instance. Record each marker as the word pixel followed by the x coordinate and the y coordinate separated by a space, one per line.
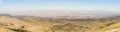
pixel 46 24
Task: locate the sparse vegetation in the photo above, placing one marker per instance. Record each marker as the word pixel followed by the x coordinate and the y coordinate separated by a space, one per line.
pixel 41 24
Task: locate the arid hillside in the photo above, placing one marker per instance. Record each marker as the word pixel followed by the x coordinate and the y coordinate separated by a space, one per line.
pixel 43 24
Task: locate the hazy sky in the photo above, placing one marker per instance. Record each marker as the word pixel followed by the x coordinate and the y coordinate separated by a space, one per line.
pixel 15 6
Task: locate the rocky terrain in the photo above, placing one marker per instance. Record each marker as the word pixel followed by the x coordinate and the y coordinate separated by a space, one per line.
pixel 10 23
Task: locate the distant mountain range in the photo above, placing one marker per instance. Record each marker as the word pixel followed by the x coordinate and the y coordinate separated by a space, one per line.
pixel 62 12
pixel 71 15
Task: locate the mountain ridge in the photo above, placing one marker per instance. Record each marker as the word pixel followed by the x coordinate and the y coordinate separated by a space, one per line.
pixel 47 24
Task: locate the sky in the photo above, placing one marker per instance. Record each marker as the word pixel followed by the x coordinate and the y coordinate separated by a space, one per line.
pixel 57 6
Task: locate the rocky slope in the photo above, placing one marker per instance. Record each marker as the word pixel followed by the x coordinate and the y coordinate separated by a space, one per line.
pixel 43 24
pixel 18 25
